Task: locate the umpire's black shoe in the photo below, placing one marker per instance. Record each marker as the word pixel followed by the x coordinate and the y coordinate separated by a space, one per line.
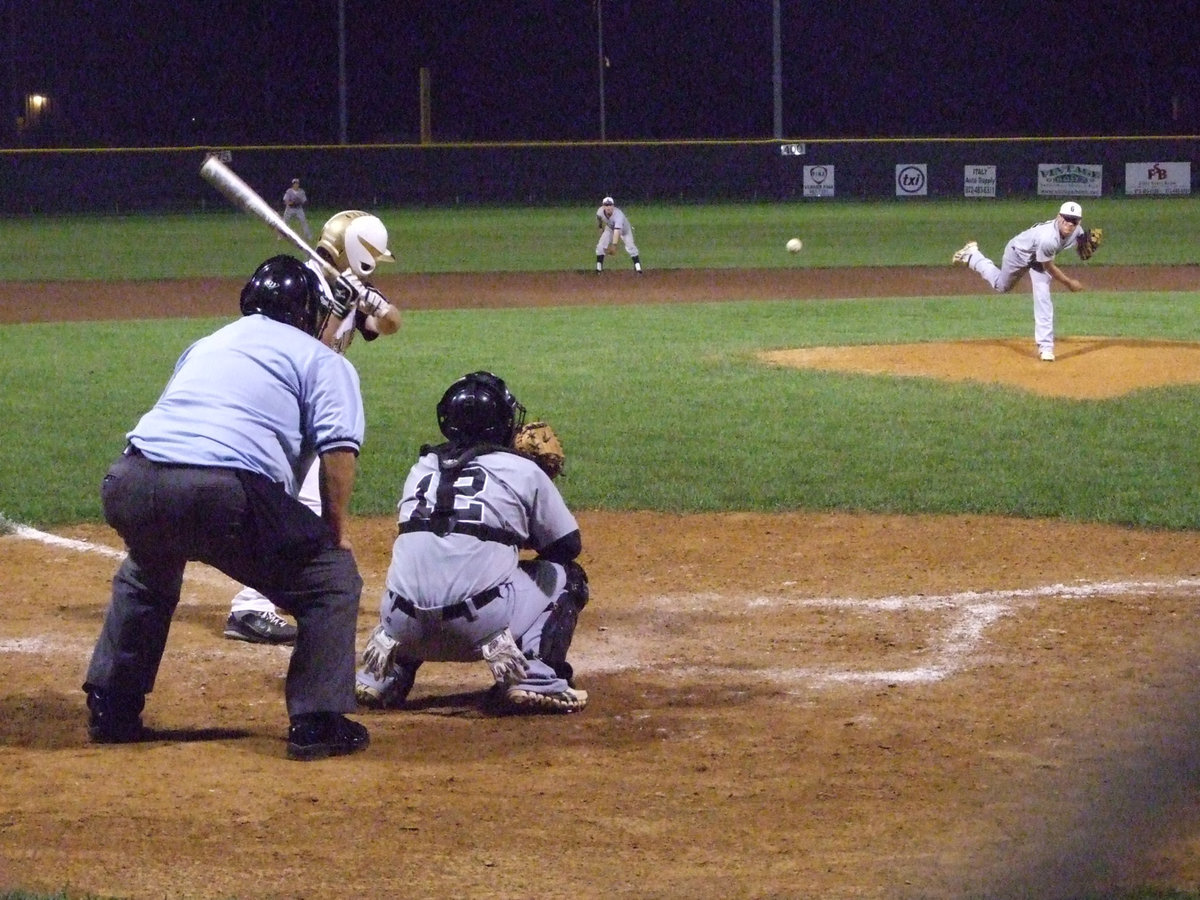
pixel 114 717
pixel 259 628
pixel 320 735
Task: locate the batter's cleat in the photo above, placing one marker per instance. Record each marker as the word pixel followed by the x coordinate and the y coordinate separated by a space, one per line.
pixel 321 735
pixel 568 701
pixel 1046 356
pixel 114 717
pixel 257 627
pixel 963 256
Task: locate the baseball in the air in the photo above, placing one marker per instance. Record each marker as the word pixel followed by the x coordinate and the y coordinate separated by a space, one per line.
pixel 795 245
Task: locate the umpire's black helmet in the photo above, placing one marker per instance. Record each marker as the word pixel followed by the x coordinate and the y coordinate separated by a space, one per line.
pixel 286 290
pixel 480 409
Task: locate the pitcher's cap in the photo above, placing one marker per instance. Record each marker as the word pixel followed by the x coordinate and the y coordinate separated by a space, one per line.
pixel 1071 208
pixel 607 201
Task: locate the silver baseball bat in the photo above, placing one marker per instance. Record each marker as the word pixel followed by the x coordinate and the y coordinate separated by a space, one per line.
pixel 225 180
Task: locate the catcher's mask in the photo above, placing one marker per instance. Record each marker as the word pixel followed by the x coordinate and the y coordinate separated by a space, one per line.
pixel 286 290
pixel 355 240
pixel 479 408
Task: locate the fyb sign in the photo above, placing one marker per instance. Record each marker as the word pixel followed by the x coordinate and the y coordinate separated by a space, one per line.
pixel 912 180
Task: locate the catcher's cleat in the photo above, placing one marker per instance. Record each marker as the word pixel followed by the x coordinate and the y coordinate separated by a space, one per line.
pixel 256 627
pixel 389 695
pixel 568 701
pixel 321 735
pixel 963 256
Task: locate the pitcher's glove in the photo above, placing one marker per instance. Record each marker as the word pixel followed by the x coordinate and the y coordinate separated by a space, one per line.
pixel 1089 241
pixel 538 441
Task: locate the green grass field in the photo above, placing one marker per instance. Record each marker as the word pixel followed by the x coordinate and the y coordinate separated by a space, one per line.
pixel 1139 231
pixel 664 407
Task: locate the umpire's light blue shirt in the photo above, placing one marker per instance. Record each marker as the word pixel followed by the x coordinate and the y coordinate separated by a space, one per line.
pixel 257 395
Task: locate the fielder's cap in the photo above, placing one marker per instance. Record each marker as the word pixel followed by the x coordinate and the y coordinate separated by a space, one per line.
pixel 1071 208
pixel 295 181
pixel 607 201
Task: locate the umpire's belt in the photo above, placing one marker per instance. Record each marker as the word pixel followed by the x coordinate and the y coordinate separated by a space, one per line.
pixel 458 610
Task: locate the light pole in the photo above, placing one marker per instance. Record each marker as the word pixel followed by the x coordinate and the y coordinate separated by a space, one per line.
pixel 777 69
pixel 600 60
pixel 341 71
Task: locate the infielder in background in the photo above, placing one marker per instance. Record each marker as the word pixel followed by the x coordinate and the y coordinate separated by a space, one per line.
pixel 355 243
pixel 1032 250
pixel 294 199
pixel 614 228
pixel 209 474
pixel 455 589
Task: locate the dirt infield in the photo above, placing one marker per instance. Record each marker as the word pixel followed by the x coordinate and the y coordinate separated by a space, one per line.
pixel 811 706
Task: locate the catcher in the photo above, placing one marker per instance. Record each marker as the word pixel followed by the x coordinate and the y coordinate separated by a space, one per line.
pixel 1033 250
pixel 456 589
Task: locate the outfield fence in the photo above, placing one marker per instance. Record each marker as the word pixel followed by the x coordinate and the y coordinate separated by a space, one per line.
pixel 141 180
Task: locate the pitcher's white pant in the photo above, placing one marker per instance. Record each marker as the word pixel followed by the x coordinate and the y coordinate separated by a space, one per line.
pixel 1007 274
pixel 310 495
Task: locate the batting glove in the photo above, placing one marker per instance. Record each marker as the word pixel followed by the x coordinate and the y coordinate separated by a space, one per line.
pixel 372 303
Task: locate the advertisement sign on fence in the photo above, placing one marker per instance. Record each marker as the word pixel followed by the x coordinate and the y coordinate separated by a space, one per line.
pixel 912 180
pixel 979 181
pixel 1069 180
pixel 818 181
pixel 1158 178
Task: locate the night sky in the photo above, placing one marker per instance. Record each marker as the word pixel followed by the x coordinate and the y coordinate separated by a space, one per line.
pixel 235 72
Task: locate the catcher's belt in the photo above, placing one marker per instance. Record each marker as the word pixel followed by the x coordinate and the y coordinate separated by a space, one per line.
pixel 463 608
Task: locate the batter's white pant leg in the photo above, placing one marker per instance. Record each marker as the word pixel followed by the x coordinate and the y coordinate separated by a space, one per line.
pixel 1043 311
pixel 310 495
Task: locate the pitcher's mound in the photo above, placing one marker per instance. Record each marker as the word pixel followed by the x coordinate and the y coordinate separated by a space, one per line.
pixel 1086 367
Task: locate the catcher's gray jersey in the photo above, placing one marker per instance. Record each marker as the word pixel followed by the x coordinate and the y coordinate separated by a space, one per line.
pixel 504 495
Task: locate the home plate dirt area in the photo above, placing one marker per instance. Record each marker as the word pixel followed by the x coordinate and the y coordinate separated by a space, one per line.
pixel 783 705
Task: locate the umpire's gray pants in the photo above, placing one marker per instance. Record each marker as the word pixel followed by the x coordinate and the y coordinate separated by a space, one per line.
pixel 169 515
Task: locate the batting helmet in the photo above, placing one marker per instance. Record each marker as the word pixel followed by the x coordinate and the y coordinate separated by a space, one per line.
pixel 286 290
pixel 479 408
pixel 355 240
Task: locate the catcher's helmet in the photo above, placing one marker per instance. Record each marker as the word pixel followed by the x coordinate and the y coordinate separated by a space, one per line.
pixel 479 408
pixel 286 290
pixel 355 240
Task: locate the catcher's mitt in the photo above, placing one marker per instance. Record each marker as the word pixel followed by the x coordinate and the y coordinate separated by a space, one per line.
pixel 538 441
pixel 1089 241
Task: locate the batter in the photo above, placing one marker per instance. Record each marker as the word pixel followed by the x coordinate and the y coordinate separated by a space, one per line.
pixel 355 243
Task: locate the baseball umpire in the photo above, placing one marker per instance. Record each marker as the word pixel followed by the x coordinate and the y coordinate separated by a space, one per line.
pixel 455 590
pixel 209 474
